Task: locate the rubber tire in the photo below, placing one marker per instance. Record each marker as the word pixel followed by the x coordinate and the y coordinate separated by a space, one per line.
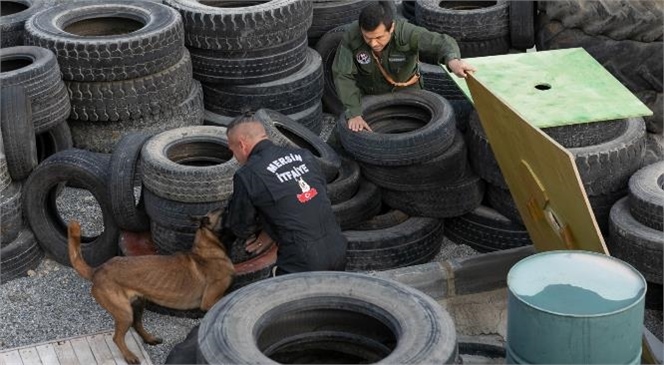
pixel 654 101
pixel 327 48
pixel 447 200
pixel 637 65
pixel 151 49
pixel 192 184
pixel 11 213
pixel 243 28
pixel 82 168
pixel 487 47
pixel 41 78
pixel 18 132
pixel 123 174
pixel 634 243
pixel 12 26
pixel 5 179
pixel 20 256
pixel 486 230
pixel 488 20
pixel 299 136
pixel 438 81
pixel 398 149
pixel 291 94
pixel 384 219
pixel 329 14
pixel 53 140
pixel 619 20
pixel 102 136
pixel 646 196
pixel 345 184
pixel 362 206
pixel 132 99
pixel 227 338
pixel 522 24
pixel 439 170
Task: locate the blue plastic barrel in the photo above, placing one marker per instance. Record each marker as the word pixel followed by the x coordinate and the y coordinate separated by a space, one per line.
pixel 574 307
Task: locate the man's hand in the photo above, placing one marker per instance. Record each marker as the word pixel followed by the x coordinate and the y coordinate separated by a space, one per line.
pixel 357 124
pixel 258 244
pixel 460 67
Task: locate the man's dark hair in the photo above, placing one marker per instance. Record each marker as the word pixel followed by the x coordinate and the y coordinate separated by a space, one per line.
pixel 374 14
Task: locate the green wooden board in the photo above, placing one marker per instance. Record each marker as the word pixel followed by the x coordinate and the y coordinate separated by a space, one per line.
pixel 555 88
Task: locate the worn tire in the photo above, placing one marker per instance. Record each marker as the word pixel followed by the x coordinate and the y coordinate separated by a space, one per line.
pixel 619 20
pixel 438 81
pixel 131 99
pixel 327 48
pixel 11 213
pixel 486 230
pixel 12 21
pixel 82 168
pixel 328 15
pixel 291 94
pixel 19 256
pixel 360 207
pixel 168 164
pixel 426 332
pixel 638 245
pixel 68 29
pixel 522 24
pixel 123 172
pixel 345 184
pixel 18 132
pixel 37 70
pixel 646 196
pixel 102 136
pixel 432 131
pixel 53 140
pixel 654 101
pixel 386 218
pixel 464 20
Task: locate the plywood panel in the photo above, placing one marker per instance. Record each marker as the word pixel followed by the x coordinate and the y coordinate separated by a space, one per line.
pixel 47 354
pixel 10 358
pixel 30 356
pixel 65 352
pixel 100 349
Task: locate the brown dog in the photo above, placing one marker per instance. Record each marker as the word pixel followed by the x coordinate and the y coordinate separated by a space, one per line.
pixel 195 279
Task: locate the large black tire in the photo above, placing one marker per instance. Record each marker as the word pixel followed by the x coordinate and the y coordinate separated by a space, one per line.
pixel 486 230
pixel 639 20
pixel 465 20
pixel 243 26
pixel 251 67
pixel 5 179
pixel 638 245
pixel 131 99
pixel 646 196
pixel 361 315
pixel 522 24
pixel 116 40
pixel 190 164
pixel 291 94
pixel 438 81
pixel 102 136
pixel 327 48
pixel 439 170
pixel 300 136
pixel 21 255
pixel 488 47
pixel 446 200
pixel 84 169
pixel 37 70
pixel 345 184
pixel 386 218
pixel 18 132
pixel 330 14
pixel 123 173
pixel 54 140
pixel 413 241
pixel 12 20
pixel 431 128
pixel 360 207
pixel 11 213
pixel 604 166
pixel 654 101
pixel 637 65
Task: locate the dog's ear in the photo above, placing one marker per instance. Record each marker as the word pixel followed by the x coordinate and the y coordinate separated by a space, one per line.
pixel 204 221
pixel 195 218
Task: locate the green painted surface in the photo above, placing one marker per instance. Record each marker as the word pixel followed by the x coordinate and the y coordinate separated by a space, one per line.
pixel 554 88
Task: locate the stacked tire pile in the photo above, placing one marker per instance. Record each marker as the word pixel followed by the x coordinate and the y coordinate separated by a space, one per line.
pixel 329 14
pixel 624 36
pixel 636 228
pixel 255 55
pixel 125 67
pixel 12 20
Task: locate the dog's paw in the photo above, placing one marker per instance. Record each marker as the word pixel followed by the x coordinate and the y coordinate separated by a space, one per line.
pixel 154 341
pixel 132 359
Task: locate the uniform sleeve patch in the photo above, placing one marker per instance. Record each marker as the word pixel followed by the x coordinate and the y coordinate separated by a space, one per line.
pixel 363 58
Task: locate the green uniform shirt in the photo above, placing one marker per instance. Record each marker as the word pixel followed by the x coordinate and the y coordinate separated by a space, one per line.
pixel 356 74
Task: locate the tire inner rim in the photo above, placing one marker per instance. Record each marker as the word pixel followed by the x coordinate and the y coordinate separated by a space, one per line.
pixel 14 62
pixel 101 26
pixel 199 154
pixel 466 5
pixel 231 4
pixel 11 7
pixel 396 119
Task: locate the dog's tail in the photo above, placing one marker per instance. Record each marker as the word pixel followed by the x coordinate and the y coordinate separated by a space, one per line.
pixel 77 262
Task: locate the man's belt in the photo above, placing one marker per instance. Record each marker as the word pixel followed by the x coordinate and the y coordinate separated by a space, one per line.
pixel 411 81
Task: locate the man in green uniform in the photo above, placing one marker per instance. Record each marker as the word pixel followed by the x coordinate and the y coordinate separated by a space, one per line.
pixel 378 55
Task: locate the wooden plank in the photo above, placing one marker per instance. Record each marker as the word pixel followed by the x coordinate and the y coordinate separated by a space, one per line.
pixel 30 356
pixel 541 175
pixel 100 349
pixel 65 352
pixel 135 344
pixel 117 355
pixel 83 351
pixel 10 358
pixel 47 354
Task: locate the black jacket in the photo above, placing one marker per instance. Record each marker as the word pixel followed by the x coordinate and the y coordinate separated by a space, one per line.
pixel 285 189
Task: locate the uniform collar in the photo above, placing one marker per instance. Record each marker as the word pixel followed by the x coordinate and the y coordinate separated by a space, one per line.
pixel 266 143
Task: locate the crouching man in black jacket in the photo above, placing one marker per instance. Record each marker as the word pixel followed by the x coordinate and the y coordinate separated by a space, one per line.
pixel 285 189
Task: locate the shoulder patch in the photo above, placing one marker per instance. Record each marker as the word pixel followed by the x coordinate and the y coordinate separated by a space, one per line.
pixel 363 58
